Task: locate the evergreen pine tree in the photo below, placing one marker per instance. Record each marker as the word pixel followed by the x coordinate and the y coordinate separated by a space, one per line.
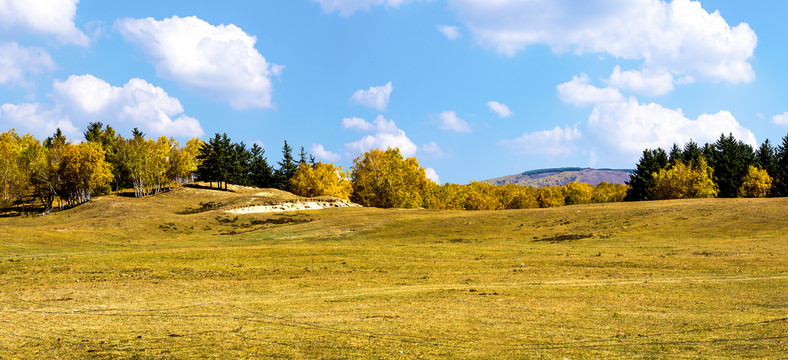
pixel 260 173
pixel 781 169
pixel 766 158
pixel 675 154
pixel 641 182
pixel 692 152
pixel 287 167
pixel 731 160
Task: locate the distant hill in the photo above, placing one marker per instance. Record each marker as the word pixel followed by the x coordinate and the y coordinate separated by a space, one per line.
pixel 563 176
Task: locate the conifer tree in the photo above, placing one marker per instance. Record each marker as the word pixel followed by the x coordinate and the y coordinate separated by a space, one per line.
pixel 730 160
pixel 287 167
pixel 641 182
pixel 781 170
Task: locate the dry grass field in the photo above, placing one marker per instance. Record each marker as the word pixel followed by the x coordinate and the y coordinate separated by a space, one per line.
pixel 173 276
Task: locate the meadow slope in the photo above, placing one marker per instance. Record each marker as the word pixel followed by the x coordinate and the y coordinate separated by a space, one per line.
pixel 174 276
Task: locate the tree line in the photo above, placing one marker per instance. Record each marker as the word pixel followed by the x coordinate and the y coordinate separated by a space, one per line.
pixel 384 178
pixel 58 172
pixel 727 168
pixel 222 161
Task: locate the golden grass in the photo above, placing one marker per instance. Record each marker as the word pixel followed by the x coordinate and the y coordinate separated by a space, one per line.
pixel 153 278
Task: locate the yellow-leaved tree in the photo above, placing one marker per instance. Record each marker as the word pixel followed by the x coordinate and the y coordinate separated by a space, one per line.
pixel 684 181
pixel 757 183
pixel 550 196
pixel 324 179
pixel 386 179
pixel 605 192
pixel 82 170
pixel 578 193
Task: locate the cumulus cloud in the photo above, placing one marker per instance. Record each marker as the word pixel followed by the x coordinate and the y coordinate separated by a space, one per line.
pixel 556 141
pixel 451 32
pixel 581 93
pixel 377 97
pixel 16 62
pixel 448 120
pixel 136 104
pixel 218 62
pixel 433 149
pixel 680 37
pixel 35 119
pixel 642 82
pixel 357 124
pixel 323 154
pixel 501 109
pixel 432 175
pixel 349 7
pixel 781 119
pixel 387 135
pixel 628 127
pixel 45 17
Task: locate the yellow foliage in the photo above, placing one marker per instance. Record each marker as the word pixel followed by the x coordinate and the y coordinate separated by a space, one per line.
pixel 757 183
pixel 324 179
pixel 384 179
pixel 605 192
pixel 578 193
pixel 685 181
pixel 552 196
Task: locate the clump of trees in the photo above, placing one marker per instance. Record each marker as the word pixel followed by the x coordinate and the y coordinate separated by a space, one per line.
pixel 384 178
pixel 59 171
pixel 223 161
pixel 727 168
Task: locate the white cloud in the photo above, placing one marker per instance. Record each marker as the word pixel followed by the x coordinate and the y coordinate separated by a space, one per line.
pixel 628 127
pixel 581 93
pixel 451 32
pixel 16 62
pixel 377 97
pixel 501 109
pixel 136 104
pixel 433 149
pixel 432 175
pixel 34 119
pixel 380 124
pixel 680 37
pixel 448 120
pixel 781 119
pixel 557 141
pixel 218 62
pixel 357 124
pixel 642 82
pixel 323 154
pixel 386 135
pixel 42 17
pixel 349 7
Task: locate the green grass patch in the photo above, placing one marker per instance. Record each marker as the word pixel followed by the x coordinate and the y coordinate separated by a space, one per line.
pixel 148 278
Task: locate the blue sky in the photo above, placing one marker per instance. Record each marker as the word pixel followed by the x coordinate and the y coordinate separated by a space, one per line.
pixel 474 89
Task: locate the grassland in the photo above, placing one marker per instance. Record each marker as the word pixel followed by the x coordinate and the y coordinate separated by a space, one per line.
pixel 172 276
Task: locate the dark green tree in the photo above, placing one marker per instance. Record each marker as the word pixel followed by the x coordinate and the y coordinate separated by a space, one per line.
pixel 730 159
pixel 56 139
pixel 692 152
pixel 209 158
pixel 260 173
pixel 641 182
pixel 302 156
pixel 766 158
pixel 136 133
pixel 674 154
pixel 781 169
pixel 287 167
